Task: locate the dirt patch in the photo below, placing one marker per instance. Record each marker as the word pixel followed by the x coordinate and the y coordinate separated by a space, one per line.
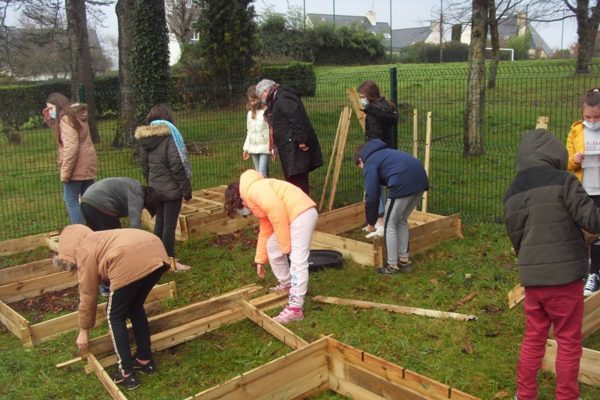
pixel 246 239
pixel 198 149
pixel 66 300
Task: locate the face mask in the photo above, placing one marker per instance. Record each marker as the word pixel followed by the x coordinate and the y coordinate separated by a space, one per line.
pixel 53 114
pixel 244 212
pixel 364 102
pixel 594 126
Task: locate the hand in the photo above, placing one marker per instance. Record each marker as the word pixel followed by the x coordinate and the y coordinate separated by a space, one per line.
pixel 83 339
pixel 370 228
pixel 245 155
pixel 303 147
pixel 260 270
pixel 273 154
pixel 578 158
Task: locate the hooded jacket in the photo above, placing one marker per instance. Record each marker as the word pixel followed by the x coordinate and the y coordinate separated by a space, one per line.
pixel 161 163
pixel 276 204
pixel 575 144
pixel 291 127
pixel 257 136
pixel 76 152
pixel 381 116
pixel 545 209
pixel 403 175
pixel 117 256
pixel 119 197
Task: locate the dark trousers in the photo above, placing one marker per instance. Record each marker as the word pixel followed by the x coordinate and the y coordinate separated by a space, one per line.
pixel 595 247
pixel 300 180
pixel 128 302
pixel 165 224
pixel 97 220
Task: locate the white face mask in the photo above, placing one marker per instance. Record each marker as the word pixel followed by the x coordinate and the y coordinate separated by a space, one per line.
pixel 594 126
pixel 53 114
pixel 244 212
pixel 364 102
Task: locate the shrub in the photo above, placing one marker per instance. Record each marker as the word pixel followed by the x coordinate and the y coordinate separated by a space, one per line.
pixel 299 75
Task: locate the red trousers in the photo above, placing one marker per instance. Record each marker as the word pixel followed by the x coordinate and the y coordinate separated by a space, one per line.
pixel 561 306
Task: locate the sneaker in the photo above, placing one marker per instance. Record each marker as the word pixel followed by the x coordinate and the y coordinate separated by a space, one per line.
pixel 128 382
pixel 289 314
pixel 377 233
pixel 104 290
pixel 144 368
pixel 405 266
pixel 281 288
pixel 388 270
pixel 365 228
pixel 591 285
pixel 179 267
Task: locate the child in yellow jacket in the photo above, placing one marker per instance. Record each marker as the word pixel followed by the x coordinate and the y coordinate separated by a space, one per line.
pixel 287 218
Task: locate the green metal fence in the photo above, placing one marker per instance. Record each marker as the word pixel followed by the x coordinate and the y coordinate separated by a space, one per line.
pixel 31 196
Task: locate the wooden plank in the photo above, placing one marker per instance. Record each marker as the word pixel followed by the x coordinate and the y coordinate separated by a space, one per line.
pixel 110 386
pixel 286 336
pixel 394 308
pixel 67 364
pixel 415 149
pixel 28 243
pixel 463 301
pixel 27 271
pixel 542 122
pixel 339 156
pixel 516 295
pixel 589 366
pixel 357 107
pixel 334 148
pixel 52 328
pixel 283 378
pixel 428 235
pixel 221 226
pixel 36 286
pixel 591 315
pixel 342 219
pixel 427 158
pixel 13 321
pixel 361 252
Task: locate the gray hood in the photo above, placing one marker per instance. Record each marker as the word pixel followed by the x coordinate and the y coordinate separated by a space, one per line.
pixel 540 148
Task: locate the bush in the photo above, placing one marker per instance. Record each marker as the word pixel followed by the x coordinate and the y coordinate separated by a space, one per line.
pixel 430 53
pixel 299 75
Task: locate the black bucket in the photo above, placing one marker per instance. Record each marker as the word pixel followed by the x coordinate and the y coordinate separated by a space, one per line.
pixel 321 259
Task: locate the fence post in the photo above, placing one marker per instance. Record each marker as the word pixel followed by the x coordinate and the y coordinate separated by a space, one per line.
pixel 81 92
pixel 394 99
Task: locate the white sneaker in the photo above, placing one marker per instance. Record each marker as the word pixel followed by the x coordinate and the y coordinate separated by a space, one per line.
pixel 377 233
pixel 592 284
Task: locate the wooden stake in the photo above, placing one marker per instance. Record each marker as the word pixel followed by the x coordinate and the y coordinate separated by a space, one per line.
pixel 542 122
pixel 394 308
pixel 357 107
pixel 516 295
pixel 339 157
pixel 416 133
pixel 331 158
pixel 427 156
pixel 463 301
pixel 69 363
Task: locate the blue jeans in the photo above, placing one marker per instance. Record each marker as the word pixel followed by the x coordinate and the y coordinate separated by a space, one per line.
pixel 261 163
pixel 71 192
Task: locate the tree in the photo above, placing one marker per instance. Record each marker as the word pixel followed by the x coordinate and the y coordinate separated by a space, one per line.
pixel 180 15
pixel 227 39
pixel 473 133
pixel 149 56
pixel 588 19
pixel 127 122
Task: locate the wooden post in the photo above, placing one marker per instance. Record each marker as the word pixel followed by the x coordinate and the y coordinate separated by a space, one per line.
pixel 339 157
pixel 416 133
pixel 331 158
pixel 542 122
pixel 427 157
pixel 357 107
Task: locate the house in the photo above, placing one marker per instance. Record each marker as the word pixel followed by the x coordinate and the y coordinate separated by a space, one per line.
pixel 369 22
pixel 408 36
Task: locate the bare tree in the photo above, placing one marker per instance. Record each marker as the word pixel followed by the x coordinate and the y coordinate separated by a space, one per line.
pixel 180 16
pixel 588 19
pixel 127 123
pixel 473 132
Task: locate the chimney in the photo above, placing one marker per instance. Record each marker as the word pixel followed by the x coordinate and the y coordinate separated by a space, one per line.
pixel 372 17
pixel 521 24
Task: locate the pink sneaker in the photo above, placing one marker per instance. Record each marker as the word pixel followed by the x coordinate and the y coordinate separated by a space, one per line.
pixel 289 314
pixel 281 287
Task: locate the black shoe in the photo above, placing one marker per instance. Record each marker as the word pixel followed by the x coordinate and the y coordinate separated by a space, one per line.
pixel 128 382
pixel 388 270
pixel 405 266
pixel 144 369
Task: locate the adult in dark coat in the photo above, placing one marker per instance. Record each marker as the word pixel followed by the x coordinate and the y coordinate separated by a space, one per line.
pixel 292 132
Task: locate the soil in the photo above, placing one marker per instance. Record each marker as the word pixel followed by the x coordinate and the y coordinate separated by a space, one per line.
pixel 245 238
pixel 66 300
pixel 198 149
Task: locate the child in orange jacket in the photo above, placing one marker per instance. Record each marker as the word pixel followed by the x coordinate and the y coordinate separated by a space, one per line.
pixel 287 218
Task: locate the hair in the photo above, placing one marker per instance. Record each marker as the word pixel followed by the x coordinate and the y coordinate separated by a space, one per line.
pixel 591 98
pixel 63 108
pixel 160 111
pixel 58 262
pixel 356 156
pixel 253 102
pixel 233 200
pixel 370 90
pixel 151 201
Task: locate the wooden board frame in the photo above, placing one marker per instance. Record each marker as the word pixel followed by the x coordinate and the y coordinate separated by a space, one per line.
pixel 23 244
pixel 311 368
pixel 426 230
pixel 204 214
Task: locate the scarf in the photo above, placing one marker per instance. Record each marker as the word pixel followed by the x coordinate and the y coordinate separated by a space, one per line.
pixel 179 143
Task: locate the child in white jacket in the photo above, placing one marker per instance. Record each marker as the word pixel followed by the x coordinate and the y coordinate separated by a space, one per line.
pixel 258 141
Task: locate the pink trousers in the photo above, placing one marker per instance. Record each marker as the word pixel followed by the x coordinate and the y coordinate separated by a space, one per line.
pixel 561 306
pixel 294 271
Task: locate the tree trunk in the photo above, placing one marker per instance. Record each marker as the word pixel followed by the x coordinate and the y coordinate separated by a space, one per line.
pixel 473 133
pixel 81 61
pixel 586 35
pixel 495 41
pixel 126 123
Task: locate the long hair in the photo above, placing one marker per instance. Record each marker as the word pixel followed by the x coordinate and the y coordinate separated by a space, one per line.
pixel 151 201
pixel 591 97
pixel 253 102
pixel 370 90
pixel 233 200
pixel 63 108
pixel 160 111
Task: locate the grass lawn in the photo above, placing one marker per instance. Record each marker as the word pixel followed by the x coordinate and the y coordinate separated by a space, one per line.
pixel 478 357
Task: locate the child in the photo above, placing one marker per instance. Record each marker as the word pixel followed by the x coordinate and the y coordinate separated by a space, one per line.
pixel 406 180
pixel 545 209
pixel 583 144
pixel 381 117
pixel 257 143
pixel 287 219
pixel 131 261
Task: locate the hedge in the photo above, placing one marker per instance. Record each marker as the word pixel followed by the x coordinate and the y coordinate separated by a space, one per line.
pixel 299 75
